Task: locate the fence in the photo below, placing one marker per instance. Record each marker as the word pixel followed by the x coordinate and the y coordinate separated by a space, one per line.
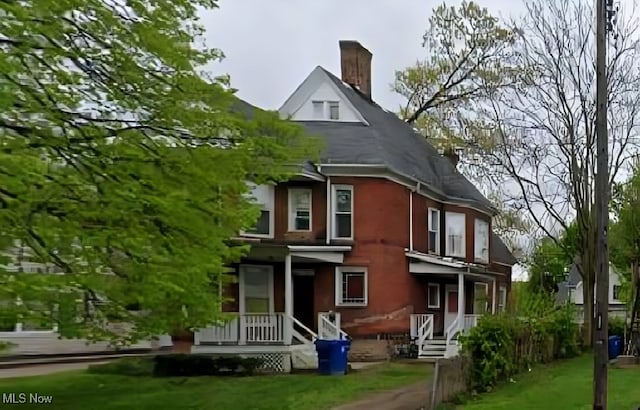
pixel 449 380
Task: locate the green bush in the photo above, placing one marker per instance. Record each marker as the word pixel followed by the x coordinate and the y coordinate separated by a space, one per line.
pixel 186 365
pixel 128 366
pixel 503 345
pixel 616 326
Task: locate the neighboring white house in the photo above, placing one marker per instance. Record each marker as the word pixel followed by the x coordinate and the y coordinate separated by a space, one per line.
pixel 571 290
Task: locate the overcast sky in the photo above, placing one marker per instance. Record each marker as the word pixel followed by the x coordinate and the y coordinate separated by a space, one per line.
pixel 272 45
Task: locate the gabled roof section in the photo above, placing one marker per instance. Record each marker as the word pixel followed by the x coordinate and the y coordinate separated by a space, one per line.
pixel 308 87
pixel 499 251
pixel 389 141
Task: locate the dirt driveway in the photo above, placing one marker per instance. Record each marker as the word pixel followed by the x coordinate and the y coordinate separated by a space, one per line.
pixel 412 397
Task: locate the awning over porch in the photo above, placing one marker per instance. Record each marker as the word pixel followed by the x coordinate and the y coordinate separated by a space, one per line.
pixel 422 263
pixel 298 253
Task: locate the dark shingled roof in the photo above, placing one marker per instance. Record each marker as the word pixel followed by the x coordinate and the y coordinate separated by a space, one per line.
pixel 390 141
pixel 499 251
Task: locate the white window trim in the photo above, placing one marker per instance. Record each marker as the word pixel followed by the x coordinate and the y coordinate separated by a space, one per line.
pixel 265 207
pixel 291 209
pixel 429 304
pixel 478 256
pixel 464 233
pixel 241 286
pixel 338 285
pixel 500 301
pixel 437 231
pixel 326 110
pixel 334 208
pixel 329 103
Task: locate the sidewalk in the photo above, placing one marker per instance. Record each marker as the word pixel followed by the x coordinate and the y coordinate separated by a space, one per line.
pixel 412 397
pixel 42 369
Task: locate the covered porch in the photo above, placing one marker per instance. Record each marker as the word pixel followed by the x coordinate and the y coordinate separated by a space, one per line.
pixel 273 312
pixel 456 297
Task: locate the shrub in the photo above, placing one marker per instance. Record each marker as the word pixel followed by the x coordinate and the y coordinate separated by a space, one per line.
pixel 503 345
pixel 186 365
pixel 616 326
pixel 129 366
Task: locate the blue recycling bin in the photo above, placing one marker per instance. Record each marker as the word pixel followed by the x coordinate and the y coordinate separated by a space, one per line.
pixel 332 356
pixel 615 347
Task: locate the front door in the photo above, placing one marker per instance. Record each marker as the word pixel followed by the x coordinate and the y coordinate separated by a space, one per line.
pixel 451 307
pixel 303 283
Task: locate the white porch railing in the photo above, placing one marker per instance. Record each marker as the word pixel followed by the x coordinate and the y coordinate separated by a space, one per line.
pixel 421 323
pixel 470 321
pixel 247 328
pixel 422 328
pixel 329 326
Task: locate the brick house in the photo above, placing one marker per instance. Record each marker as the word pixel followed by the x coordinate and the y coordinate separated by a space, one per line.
pixel 384 236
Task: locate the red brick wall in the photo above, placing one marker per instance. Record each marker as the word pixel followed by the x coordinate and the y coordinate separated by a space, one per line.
pixel 318 213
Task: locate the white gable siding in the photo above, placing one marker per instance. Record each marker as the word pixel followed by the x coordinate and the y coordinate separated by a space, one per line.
pixel 325 92
pixel 578 298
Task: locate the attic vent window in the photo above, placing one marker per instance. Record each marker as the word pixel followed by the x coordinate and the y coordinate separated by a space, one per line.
pixel 326 110
pixel 334 110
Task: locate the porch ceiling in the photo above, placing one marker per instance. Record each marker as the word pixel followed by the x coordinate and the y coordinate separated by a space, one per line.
pixel 299 254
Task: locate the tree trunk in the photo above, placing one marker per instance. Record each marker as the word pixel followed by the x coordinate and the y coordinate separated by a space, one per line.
pixel 588 288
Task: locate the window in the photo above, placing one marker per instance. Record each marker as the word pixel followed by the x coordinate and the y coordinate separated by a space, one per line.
pixel 256 283
pixel 334 110
pixel 502 299
pixel 480 298
pixel 616 292
pixel 342 212
pixel 299 209
pixel 351 286
pixel 263 195
pixel 455 234
pixel 481 241
pixel 434 231
pixel 433 296
pixel 318 109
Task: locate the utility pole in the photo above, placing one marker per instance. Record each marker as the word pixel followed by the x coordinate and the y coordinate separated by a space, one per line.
pixel 604 16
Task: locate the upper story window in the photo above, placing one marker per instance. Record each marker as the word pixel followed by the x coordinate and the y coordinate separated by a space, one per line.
pixel 616 292
pixel 300 209
pixel 342 216
pixel 481 241
pixel 455 228
pixel 434 231
pixel 326 110
pixel 263 196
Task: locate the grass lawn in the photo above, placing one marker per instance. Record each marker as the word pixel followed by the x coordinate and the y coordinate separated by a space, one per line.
pixel 562 386
pixel 82 390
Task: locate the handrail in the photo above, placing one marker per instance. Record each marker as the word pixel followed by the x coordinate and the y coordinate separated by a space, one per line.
pixel 341 334
pixel 313 334
pixel 452 330
pixel 425 331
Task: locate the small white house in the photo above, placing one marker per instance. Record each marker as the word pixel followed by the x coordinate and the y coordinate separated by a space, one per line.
pixel 571 290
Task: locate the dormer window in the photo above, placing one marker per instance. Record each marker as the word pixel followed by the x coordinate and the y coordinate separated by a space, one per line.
pixel 326 110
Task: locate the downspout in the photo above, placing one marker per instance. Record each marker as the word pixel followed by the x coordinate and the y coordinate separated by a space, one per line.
pixel 328 235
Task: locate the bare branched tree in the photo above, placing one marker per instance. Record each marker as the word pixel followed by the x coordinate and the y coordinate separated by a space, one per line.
pixel 544 124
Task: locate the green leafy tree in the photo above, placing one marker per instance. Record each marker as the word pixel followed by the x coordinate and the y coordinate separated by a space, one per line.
pixel 467 57
pixel 550 259
pixel 124 165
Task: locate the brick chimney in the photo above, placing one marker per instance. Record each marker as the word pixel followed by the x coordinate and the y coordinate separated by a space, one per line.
pixel 355 61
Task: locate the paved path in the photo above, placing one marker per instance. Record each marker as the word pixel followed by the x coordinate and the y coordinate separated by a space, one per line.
pixel 412 397
pixel 42 369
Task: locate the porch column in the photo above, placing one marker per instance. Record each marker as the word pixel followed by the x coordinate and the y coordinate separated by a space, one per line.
pixel 461 301
pixel 493 307
pixel 288 300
